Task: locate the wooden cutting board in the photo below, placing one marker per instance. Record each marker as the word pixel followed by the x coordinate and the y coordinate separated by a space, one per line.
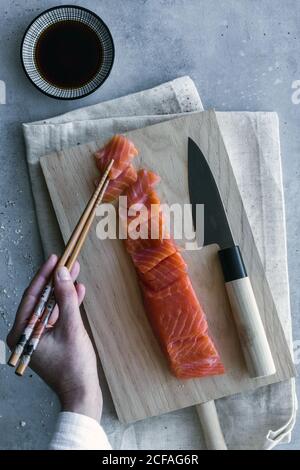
pixel 139 380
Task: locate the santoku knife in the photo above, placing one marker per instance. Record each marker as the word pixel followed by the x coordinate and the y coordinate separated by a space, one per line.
pixel 203 190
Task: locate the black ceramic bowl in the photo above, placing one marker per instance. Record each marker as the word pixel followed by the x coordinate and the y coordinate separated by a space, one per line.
pixel 50 19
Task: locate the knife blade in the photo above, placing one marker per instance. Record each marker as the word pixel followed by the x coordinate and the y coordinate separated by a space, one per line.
pixel 203 189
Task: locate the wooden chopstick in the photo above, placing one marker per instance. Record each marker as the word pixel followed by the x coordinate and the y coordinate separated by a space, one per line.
pixel 34 340
pixel 33 331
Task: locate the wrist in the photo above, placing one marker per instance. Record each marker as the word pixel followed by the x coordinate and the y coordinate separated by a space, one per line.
pixel 83 400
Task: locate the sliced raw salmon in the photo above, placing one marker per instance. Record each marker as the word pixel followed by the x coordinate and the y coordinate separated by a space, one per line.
pixel 179 322
pixel 140 213
pixel 144 210
pixel 155 229
pixel 146 254
pixel 144 184
pixel 119 148
pixel 117 186
pixel 171 304
pixel 165 273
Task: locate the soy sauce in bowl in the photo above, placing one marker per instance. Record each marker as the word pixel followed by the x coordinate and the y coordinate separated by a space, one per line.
pixel 68 54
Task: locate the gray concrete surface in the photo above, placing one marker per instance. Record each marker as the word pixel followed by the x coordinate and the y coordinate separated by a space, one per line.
pixel 242 55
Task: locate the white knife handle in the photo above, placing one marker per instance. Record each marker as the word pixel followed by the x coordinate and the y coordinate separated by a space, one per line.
pixel 210 424
pixel 246 315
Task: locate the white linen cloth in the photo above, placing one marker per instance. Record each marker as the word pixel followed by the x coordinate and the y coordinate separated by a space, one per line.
pixel 255 420
pixel 78 432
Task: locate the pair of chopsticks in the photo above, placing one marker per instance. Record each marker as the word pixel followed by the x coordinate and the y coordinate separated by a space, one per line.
pixel 38 321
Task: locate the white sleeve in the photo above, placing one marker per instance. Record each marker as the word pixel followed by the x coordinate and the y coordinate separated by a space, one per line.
pixel 78 432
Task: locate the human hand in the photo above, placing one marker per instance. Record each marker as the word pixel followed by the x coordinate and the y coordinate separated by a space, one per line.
pixel 65 358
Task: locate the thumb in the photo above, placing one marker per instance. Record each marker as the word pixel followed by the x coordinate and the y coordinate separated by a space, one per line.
pixel 66 297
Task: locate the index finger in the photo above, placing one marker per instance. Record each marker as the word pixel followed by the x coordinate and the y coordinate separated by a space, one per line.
pixel 39 281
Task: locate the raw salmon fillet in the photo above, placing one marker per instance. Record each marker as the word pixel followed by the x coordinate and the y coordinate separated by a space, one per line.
pixel 119 148
pixel 146 254
pixel 179 322
pixel 172 307
pixel 117 186
pixel 164 273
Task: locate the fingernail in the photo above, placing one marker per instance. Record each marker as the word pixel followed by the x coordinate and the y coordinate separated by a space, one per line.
pixel 52 257
pixel 63 274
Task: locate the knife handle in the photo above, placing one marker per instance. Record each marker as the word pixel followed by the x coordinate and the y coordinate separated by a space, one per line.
pixel 246 315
